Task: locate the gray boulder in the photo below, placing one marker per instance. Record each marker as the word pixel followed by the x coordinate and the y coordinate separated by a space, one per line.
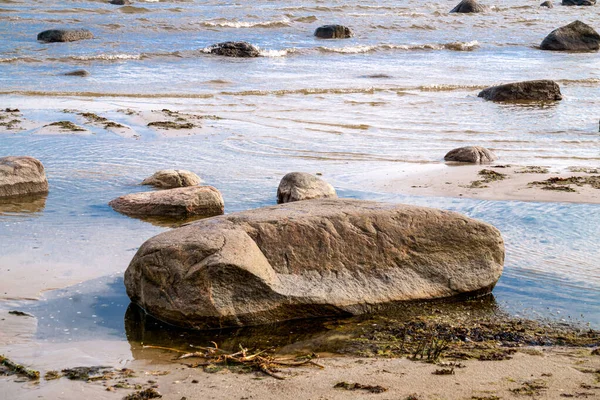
pixel 297 186
pixel 64 35
pixel 172 178
pixel 311 259
pixel 528 91
pixel 547 4
pixel 184 202
pixel 468 6
pixel 471 154
pixel 22 176
pixel 333 32
pixel 577 36
pixel 234 49
pixel 578 2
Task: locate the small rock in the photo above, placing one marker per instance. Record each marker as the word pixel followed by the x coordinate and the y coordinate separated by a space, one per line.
pixel 578 2
pixel 548 4
pixel 333 32
pixel 468 6
pixel 234 49
pixel 297 186
pixel 203 201
pixel 22 176
pixel 120 2
pixel 471 154
pixel 78 72
pixel 528 91
pixel 577 36
pixel 64 35
pixel 172 178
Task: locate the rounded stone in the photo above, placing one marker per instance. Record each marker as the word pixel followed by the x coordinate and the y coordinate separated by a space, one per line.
pixel 297 186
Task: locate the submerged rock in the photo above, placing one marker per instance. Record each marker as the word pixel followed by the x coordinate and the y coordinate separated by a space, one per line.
pixel 22 176
pixel 311 259
pixel 528 91
pixel 64 35
pixel 333 32
pixel 547 4
pixel 176 203
pixel 234 49
pixel 120 2
pixel 578 2
pixel 172 178
pixel 468 6
pixel 297 186
pixel 78 72
pixel 471 154
pixel 577 36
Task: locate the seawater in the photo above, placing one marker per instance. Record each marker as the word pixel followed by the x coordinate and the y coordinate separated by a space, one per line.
pixel 402 91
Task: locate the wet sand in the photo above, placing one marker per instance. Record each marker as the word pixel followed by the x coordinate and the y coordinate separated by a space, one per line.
pixel 518 182
pixel 555 373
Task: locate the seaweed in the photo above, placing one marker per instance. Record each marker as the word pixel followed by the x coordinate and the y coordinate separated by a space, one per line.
pixel 171 125
pixel 14 368
pixel 532 169
pixel 68 126
pixel 359 386
pixel 564 184
pixel 531 388
pixel 488 176
pixel 20 313
pixel 145 394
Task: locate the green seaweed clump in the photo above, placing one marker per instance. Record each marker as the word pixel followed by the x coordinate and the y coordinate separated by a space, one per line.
pixel 531 169
pixel 14 368
pixel 564 184
pixel 531 388
pixel 171 125
pixel 488 176
pixel 145 394
pixel 67 126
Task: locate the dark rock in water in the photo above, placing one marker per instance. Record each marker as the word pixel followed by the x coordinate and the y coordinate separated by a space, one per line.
pixel 578 2
pixel 311 259
pixel 174 203
pixel 468 6
pixel 79 72
pixel 64 35
pixel 333 32
pixel 471 154
pixel 22 176
pixel 547 4
pixel 234 49
pixel 577 36
pixel 120 2
pixel 528 91
pixel 297 186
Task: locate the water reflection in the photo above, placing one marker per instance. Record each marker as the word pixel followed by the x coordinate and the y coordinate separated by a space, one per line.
pixel 23 204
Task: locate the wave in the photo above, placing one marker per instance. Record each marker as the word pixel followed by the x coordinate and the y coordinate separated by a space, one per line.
pixel 450 88
pixel 247 24
pixel 454 46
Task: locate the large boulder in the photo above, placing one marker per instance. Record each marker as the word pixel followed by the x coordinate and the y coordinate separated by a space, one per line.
pixel 174 203
pixel 172 178
pixel 577 36
pixel 234 49
pixel 528 91
pixel 327 257
pixel 297 186
pixel 578 2
pixel 64 35
pixel 468 6
pixel 471 154
pixel 22 176
pixel 333 32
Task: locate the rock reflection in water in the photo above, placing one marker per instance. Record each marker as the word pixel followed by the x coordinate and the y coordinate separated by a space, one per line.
pixel 23 204
pixel 326 335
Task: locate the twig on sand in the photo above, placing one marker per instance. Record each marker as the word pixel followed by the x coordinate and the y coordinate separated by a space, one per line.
pixel 260 361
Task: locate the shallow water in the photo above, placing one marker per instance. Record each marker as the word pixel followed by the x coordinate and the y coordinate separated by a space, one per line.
pixel 402 92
